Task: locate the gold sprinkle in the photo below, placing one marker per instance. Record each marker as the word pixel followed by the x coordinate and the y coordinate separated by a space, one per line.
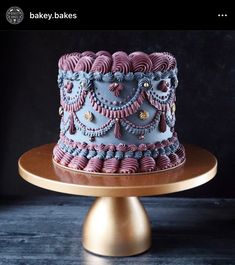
pixel 143 115
pixel 88 116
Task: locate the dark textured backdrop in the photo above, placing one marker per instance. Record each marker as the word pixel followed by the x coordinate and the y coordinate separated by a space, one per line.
pixel 205 96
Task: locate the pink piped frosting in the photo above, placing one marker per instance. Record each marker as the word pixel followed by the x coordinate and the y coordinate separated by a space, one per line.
pixel 58 153
pixel 141 62
pixel 172 60
pixel 111 165
pixel 151 146
pixel 162 61
pixel 103 53
pixel 84 64
pixel 94 165
pixel 165 143
pixel 100 147
pixel 66 159
pixel 121 147
pixel 128 165
pixel 111 147
pixel 69 61
pixel 142 147
pixel 181 153
pixel 101 64
pixel 89 54
pixel 147 164
pixel 132 147
pixel 78 162
pixel 158 145
pixel 119 163
pixel 121 63
pixel 116 88
pixel 163 161
pixel 104 62
pixel 174 159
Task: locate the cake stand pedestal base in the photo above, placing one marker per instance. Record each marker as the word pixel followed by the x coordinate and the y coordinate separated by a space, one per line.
pixel 117 223
pixel 116 226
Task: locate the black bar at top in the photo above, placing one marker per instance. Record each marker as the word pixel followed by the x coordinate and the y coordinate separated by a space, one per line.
pixel 120 17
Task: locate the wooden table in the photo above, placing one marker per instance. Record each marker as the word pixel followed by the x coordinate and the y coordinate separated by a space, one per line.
pixel 117 223
pixel 48 230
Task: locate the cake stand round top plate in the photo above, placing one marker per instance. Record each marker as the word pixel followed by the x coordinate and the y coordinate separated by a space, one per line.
pixel 36 166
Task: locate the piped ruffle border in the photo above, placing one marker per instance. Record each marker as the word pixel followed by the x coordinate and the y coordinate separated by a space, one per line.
pixel 112 77
pixel 124 159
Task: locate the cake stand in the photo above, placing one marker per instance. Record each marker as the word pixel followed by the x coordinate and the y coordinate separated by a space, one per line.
pixel 117 223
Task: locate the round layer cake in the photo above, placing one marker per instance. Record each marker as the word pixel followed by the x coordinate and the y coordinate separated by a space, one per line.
pixel 118 112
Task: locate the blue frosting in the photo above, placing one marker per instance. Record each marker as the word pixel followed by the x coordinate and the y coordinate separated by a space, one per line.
pixel 110 154
pixel 119 154
pixel 83 152
pixel 129 154
pixel 131 127
pixel 138 154
pixel 101 154
pixel 147 153
pixel 161 151
pixel 117 76
pixel 91 154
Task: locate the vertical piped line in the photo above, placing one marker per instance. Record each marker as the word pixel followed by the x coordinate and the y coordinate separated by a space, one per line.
pixel 162 123
pixel 72 128
pixel 117 129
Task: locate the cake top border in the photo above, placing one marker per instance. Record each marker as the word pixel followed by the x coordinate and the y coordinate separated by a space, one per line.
pixel 104 62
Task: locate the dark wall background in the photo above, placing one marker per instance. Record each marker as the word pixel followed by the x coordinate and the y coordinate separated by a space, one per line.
pixel 205 96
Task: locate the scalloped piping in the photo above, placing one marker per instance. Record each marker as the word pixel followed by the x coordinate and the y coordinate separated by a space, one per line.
pixel 141 129
pixel 131 107
pixel 124 166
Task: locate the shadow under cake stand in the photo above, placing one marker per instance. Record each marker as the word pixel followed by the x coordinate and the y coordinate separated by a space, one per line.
pixel 117 223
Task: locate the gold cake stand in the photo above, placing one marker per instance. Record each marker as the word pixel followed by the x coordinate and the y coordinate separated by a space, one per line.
pixel 117 223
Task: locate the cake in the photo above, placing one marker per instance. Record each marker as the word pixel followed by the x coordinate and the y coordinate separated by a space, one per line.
pixel 118 112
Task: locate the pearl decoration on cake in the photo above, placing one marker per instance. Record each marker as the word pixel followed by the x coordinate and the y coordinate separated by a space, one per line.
pixel 61 111
pixel 146 85
pixel 89 116
pixel 92 138
pixel 143 115
pixel 173 108
pixel 176 82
